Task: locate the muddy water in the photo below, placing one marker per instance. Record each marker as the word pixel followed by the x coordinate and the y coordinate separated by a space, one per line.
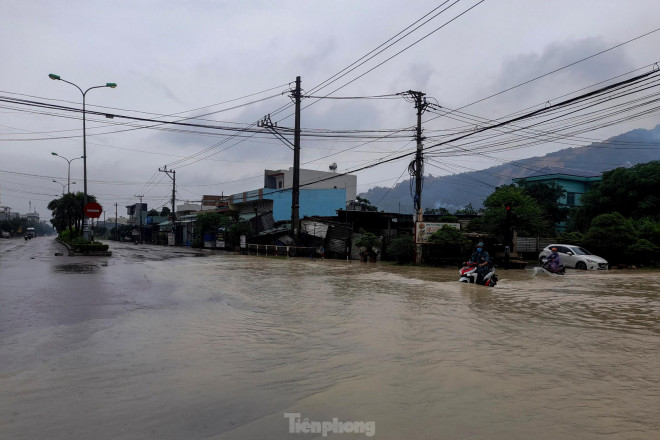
pixel 239 341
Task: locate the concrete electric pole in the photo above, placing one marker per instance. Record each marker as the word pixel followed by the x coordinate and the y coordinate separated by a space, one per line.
pixel 140 197
pixel 295 195
pixel 173 177
pixel 418 167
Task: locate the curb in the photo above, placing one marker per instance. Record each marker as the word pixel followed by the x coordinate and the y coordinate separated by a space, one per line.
pixel 73 253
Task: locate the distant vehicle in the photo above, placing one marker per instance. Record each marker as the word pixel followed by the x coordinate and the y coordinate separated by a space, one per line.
pixel 30 234
pixel 4 234
pixel 575 256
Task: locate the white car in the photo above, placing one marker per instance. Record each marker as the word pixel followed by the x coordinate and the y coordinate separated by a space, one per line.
pixel 575 256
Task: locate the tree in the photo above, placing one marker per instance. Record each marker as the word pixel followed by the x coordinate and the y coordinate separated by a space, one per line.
pixel 575 238
pixel 648 229
pixel 402 248
pixel 165 211
pixel 450 236
pixel 209 222
pixel 235 230
pixel 643 252
pixel 365 204
pixel 67 212
pixel 368 241
pixel 523 215
pixel 633 192
pixel 436 211
pixel 467 210
pixel 610 235
pixel 152 213
pixel 547 196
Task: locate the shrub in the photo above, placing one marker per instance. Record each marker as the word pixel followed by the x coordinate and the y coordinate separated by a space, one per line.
pixel 610 235
pixel 402 248
pixel 575 238
pixel 643 252
pixel 450 236
pixel 91 247
pixel 368 240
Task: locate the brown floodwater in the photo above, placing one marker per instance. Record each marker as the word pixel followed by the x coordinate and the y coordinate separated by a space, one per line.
pixel 234 342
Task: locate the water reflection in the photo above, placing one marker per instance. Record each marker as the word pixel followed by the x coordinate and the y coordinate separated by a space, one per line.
pixel 243 340
pixel 79 267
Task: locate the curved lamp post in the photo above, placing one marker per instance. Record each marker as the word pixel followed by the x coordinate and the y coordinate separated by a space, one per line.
pixel 84 156
pixel 69 173
pixel 64 184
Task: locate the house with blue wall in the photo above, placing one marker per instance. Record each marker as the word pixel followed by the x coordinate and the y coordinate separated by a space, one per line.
pixel 321 194
pixel 576 183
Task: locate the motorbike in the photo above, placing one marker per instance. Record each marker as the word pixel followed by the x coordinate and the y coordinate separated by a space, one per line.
pixel 469 274
pixel 546 266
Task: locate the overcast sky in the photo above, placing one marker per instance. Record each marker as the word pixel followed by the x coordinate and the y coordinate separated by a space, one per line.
pixel 194 58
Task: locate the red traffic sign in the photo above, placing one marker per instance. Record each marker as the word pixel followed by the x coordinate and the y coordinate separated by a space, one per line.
pixel 93 210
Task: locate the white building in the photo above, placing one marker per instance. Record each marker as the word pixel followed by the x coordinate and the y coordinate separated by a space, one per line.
pixel 312 179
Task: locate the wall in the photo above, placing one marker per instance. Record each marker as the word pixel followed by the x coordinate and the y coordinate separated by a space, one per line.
pixel 577 185
pixel 321 202
pixel 347 182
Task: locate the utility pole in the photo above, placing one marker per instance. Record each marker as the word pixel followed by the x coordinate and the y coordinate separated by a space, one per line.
pixel 173 213
pixel 266 122
pixel 140 197
pixel 116 229
pixel 173 177
pixel 420 104
pixel 295 195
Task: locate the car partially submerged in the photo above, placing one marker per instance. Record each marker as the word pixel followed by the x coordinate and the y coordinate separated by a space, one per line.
pixel 575 256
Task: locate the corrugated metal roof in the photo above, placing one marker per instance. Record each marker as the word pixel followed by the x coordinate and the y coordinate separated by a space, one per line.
pixel 548 171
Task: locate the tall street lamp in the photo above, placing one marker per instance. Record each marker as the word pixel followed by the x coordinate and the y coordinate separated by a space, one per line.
pixel 63 185
pixel 84 156
pixel 69 174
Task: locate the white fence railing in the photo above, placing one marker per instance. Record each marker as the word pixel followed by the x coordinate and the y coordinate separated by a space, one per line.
pixel 532 244
pixel 269 250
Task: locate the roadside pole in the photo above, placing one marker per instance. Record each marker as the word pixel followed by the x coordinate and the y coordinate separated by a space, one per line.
pixel 418 168
pixel 295 196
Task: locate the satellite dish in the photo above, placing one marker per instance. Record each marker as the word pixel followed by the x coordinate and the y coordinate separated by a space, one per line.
pixel 333 167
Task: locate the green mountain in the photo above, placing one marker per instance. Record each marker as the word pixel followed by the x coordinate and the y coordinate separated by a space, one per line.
pixel 455 191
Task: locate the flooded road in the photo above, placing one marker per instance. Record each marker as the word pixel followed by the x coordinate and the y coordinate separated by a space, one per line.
pixel 156 344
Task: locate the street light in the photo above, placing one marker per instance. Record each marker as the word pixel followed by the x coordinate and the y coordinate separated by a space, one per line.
pixel 63 185
pixel 69 174
pixel 84 156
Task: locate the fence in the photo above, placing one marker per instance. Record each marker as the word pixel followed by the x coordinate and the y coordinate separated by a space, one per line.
pixel 270 250
pixel 533 244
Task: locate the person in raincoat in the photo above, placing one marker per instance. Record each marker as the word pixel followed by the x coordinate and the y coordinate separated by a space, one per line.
pixel 482 259
pixel 553 261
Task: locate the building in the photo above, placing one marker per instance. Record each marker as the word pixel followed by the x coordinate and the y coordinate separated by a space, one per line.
pixel 32 217
pixel 6 214
pixel 312 179
pixel 136 211
pixel 187 208
pixel 575 182
pixel 215 203
pixel 321 194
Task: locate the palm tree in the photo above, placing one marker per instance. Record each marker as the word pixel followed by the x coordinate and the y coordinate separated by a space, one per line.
pixel 68 212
